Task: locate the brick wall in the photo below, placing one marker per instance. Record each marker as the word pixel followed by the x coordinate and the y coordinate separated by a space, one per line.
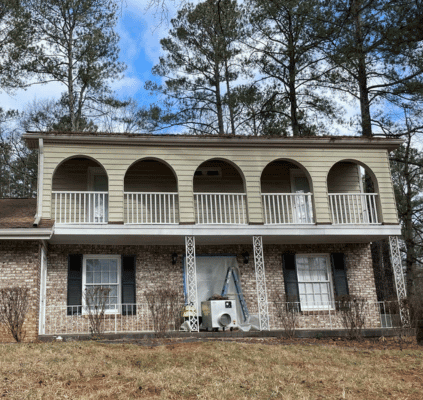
pixel 20 266
pixel 154 267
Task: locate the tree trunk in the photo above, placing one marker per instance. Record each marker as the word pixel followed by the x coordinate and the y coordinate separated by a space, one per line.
pixel 366 124
pixel 230 103
pixel 291 84
pixel 218 100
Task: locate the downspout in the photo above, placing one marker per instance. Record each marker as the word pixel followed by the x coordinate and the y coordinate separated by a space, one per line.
pixel 39 213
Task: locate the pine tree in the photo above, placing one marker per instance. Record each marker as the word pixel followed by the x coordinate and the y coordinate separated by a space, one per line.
pixel 199 68
pixel 287 54
pixel 78 47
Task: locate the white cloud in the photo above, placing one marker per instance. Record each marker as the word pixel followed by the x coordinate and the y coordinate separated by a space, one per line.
pixel 21 98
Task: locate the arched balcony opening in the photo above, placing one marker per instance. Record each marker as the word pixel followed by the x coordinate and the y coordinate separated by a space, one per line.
pixel 80 190
pixel 353 194
pixel 219 194
pixel 287 197
pixel 150 193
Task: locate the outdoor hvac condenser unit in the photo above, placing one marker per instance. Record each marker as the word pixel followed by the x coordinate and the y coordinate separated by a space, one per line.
pixel 218 314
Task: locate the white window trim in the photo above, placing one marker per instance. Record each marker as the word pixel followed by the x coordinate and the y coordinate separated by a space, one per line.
pixel 84 278
pixel 331 305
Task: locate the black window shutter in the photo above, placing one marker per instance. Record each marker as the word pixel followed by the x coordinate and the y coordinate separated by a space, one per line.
pixel 128 285
pixel 290 277
pixel 339 274
pixel 74 284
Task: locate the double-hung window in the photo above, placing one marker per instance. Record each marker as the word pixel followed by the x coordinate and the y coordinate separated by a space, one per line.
pixel 314 281
pixel 103 271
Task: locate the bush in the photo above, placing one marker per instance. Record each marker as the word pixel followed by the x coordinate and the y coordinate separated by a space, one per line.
pixel 14 305
pixel 95 303
pixel 352 310
pixel 287 312
pixel 164 306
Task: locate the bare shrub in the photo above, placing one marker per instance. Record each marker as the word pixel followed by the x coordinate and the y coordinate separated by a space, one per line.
pixel 352 310
pixel 287 312
pixel 14 306
pixel 95 304
pixel 163 302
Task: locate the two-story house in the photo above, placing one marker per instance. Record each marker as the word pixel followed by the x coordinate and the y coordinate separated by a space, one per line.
pixel 293 217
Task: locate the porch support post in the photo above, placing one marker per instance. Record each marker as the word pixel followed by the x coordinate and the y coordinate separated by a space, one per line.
pixel 399 279
pixel 261 284
pixel 192 281
pixel 43 283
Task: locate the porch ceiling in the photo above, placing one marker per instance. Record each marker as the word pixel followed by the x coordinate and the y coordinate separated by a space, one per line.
pixel 220 234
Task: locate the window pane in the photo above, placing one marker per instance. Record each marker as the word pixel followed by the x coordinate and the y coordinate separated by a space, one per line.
pixel 89 277
pixel 314 281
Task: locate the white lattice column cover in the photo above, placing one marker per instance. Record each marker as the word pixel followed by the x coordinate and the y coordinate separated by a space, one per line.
pixel 261 284
pixel 399 279
pixel 192 281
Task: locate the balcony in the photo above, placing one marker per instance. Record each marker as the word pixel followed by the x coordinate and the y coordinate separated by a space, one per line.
pixel 151 208
pixel 352 195
pixel 220 208
pixel 80 207
pixel 353 208
pixel 150 194
pixel 288 208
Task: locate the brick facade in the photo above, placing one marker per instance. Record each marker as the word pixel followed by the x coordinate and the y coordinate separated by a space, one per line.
pixel 154 267
pixel 20 266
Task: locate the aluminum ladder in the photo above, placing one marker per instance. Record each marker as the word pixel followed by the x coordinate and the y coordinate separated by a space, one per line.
pixel 244 307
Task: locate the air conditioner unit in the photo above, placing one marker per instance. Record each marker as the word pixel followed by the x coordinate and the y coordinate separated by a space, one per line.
pixel 219 314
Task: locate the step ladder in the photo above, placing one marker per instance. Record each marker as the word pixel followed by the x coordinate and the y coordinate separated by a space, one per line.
pixel 244 308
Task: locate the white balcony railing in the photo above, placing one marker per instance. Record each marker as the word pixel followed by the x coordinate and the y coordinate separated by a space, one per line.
pixel 288 208
pixel 220 208
pixel 151 208
pixel 353 208
pixel 80 207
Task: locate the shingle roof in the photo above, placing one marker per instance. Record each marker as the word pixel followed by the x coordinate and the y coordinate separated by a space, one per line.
pixel 20 213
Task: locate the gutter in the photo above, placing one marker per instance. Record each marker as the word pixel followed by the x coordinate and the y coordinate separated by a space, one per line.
pixel 40 182
pixel 26 234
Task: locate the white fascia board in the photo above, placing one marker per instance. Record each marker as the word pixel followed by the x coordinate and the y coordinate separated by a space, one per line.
pixel 25 234
pixel 227 230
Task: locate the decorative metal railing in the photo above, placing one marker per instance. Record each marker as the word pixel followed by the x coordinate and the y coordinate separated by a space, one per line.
pixel 220 208
pixel 80 207
pixel 288 208
pixel 151 208
pixel 61 320
pixel 353 208
pixel 334 314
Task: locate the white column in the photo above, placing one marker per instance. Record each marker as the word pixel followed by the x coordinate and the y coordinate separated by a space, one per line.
pixel 43 282
pixel 192 281
pixel 399 279
pixel 261 284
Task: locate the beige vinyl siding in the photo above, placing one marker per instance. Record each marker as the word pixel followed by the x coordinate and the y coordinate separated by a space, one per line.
pixel 344 178
pixel 251 161
pixel 150 176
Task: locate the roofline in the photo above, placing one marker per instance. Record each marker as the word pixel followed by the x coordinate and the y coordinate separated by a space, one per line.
pixel 32 139
pixel 26 234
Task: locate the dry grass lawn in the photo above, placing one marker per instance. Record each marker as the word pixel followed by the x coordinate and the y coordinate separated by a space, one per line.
pixel 208 370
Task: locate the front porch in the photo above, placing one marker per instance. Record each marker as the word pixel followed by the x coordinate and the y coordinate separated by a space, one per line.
pixel 262 276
